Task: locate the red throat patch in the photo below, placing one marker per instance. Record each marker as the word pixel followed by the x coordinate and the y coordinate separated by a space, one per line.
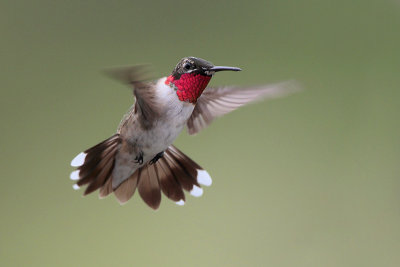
pixel 189 86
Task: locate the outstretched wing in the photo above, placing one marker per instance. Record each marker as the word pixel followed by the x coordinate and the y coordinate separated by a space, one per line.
pixel 215 102
pixel 147 104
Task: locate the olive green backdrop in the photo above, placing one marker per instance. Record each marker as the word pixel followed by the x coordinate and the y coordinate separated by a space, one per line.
pixel 308 180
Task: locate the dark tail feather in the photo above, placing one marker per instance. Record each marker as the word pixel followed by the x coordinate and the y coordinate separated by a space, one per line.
pixel 95 165
pixel 169 183
pixel 171 174
pixel 184 167
pixel 126 189
pixel 149 186
pixel 106 189
pixel 187 172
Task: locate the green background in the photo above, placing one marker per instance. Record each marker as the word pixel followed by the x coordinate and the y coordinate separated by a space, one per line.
pixel 308 180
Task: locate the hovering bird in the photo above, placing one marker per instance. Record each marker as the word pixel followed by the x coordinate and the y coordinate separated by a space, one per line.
pixel 141 154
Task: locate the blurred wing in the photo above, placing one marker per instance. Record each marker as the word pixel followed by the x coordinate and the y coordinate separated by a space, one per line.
pixel 215 102
pixel 144 91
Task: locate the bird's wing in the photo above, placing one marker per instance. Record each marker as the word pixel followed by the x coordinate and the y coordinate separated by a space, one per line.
pixel 144 91
pixel 215 102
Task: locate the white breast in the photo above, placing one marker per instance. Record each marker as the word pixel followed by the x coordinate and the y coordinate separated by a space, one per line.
pixel 173 120
pixel 176 110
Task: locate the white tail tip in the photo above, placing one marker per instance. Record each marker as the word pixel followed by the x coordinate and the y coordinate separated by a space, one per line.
pixel 75 187
pixel 180 202
pixel 203 178
pixel 78 160
pixel 74 176
pixel 196 191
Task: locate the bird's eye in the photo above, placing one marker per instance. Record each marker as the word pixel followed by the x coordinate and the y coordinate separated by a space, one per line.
pixel 187 66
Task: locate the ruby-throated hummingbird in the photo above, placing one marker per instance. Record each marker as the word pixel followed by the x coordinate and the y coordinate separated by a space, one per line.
pixel 141 155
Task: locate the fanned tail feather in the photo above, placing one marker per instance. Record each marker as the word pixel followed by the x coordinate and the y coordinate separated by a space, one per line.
pixel 170 186
pixel 95 165
pixel 172 174
pixel 126 190
pixel 106 189
pixel 149 186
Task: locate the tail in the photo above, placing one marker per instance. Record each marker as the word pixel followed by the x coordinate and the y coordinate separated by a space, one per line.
pixel 95 165
pixel 172 174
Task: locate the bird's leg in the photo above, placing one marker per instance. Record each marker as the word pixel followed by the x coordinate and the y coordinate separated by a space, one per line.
pixel 157 157
pixel 139 158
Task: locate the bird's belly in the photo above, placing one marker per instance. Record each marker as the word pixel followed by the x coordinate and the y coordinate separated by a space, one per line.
pixel 160 137
pixel 164 132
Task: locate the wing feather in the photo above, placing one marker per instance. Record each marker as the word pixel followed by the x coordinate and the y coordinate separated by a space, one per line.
pixel 147 103
pixel 216 102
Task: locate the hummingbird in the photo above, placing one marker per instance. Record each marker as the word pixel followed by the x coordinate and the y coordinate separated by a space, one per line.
pixel 141 154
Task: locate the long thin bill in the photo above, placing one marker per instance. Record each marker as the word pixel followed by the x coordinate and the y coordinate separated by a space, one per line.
pixel 222 68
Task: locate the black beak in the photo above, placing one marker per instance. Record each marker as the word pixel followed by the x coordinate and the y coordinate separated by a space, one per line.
pixel 221 68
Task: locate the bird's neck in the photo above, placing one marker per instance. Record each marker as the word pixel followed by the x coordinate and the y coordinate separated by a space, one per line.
pixel 189 86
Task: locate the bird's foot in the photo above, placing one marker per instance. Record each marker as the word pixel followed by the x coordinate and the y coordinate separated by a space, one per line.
pixel 157 157
pixel 139 158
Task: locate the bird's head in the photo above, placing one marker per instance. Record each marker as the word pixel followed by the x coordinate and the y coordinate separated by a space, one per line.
pixel 191 76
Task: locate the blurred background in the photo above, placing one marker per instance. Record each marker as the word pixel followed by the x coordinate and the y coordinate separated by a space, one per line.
pixel 307 180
